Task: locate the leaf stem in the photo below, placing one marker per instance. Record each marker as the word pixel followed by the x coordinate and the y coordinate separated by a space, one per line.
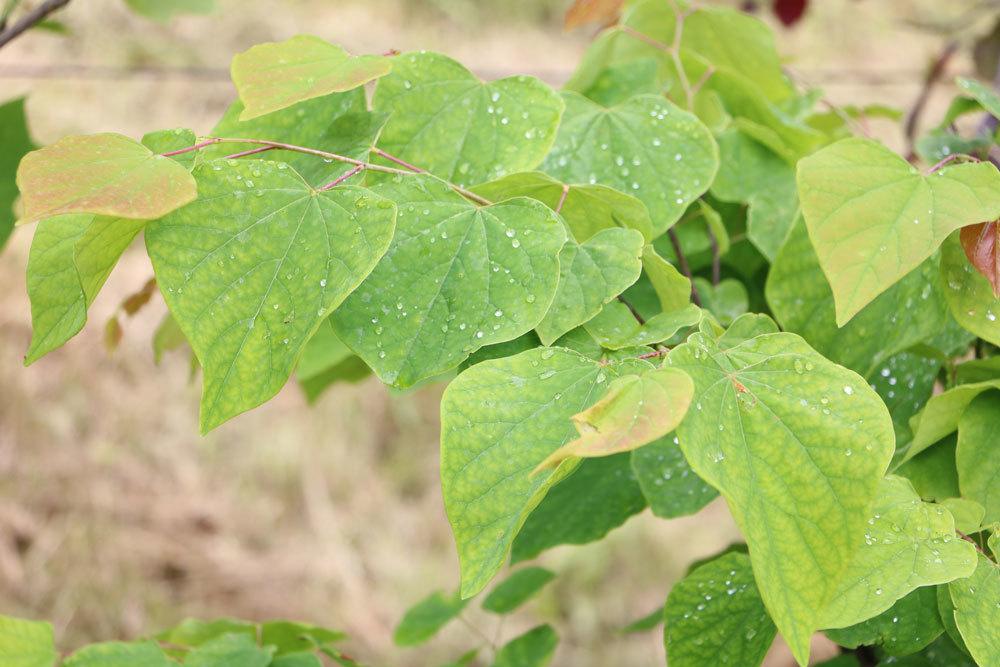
pixel 265 144
pixel 562 198
pixel 337 181
pixel 252 151
pixel 940 164
pixel 934 73
pixel 674 51
pixel 635 313
pixel 30 20
pixel 683 264
pixel 713 242
pixel 968 539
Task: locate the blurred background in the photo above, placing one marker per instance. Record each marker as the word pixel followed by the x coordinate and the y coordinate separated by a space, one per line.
pixel 117 519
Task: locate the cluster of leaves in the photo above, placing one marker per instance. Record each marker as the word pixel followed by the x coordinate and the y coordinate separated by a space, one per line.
pixel 675 279
pixel 219 643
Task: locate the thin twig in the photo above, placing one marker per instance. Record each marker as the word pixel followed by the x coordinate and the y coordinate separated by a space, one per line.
pixel 340 179
pixel 562 198
pixel 393 158
pixel 935 72
pixel 713 242
pixel 211 141
pixel 683 264
pixel 968 539
pixel 675 54
pixel 635 313
pixel 31 19
pixel 252 151
pixel 662 352
pixel 949 159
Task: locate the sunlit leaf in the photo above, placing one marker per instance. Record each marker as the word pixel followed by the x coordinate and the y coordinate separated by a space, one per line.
pixel 119 654
pixel 976 455
pixel 26 643
pixel 976 602
pixel 969 295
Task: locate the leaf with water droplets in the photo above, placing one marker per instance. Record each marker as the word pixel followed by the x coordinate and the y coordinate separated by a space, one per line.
pixel 797 446
pixel 636 410
pixel 616 328
pixel 976 455
pixel 456 278
pixel 977 600
pixel 499 420
pixel 517 589
pixel 907 543
pixel 600 495
pixel 906 314
pixel 942 413
pixel 873 217
pixel 534 648
pixel 447 121
pixel 276 75
pixel 904 628
pixel 591 274
pixel 667 481
pixel 587 209
pixel 104 174
pixel 969 295
pixel 253 267
pixel 645 146
pixel 715 616
pixel 71 257
pixel 16 142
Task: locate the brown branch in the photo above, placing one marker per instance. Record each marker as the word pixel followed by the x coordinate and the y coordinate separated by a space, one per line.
pixel 935 72
pixel 635 313
pixel 682 263
pixel 31 19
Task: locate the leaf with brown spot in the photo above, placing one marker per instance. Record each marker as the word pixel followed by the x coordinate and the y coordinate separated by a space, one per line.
pixel 982 246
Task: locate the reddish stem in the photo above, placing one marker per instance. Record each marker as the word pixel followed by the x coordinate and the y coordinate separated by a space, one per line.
pixel 562 198
pixel 252 151
pixel 400 162
pixel 334 183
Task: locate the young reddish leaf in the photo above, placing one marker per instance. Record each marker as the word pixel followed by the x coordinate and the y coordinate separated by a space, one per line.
pixel 276 75
pixel 602 12
pixel 790 11
pixel 105 174
pixel 982 246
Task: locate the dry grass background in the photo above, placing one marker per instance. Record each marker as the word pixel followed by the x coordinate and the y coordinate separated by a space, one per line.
pixel 117 519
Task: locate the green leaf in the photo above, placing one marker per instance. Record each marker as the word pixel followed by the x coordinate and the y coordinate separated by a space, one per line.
pixel 464 660
pixel 745 327
pixel 906 544
pixel 532 649
pixel 591 274
pixel 978 370
pixel 26 643
pixel 192 632
pixel 166 141
pixel 71 257
pixel 291 637
pixel 983 94
pixel 296 660
pixel 906 627
pixel 164 10
pixel 908 313
pixel 647 622
pixel 337 123
pixel 976 602
pixel 645 146
pixel 16 142
pixel 587 209
pixel 499 420
pixel 969 295
pixel 976 455
pixel 252 269
pixel 277 75
pixel 814 438
pixel 905 381
pixel 229 650
pixel 993 541
pixel 667 481
pixel 942 413
pixel 456 277
pixel 715 616
pixel 672 288
pixel 968 514
pixel 636 410
pixel 750 173
pixel 615 328
pixel 600 495
pixel 873 217
pixel 517 589
pixel 105 174
pixel 424 619
pixel 447 121
pixel 727 300
pixel 119 654
pixel 326 360
pixel 946 609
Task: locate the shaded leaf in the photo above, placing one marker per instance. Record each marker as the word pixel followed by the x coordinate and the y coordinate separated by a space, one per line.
pixel 105 174
pixel 667 481
pixel 873 217
pixel 16 142
pixel 276 75
pixel 969 295
pixel 977 456
pixel 672 288
pixel 424 619
pixel 715 616
pixel 253 268
pixel 647 622
pixel 906 627
pixel 816 440
pixel 532 649
pixel 933 472
pixel 727 300
pixel 517 589
pixel 942 413
pixel 616 328
pixel 982 93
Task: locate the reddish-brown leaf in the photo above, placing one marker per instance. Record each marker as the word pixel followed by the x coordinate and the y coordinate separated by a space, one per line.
pixel 982 246
pixel 602 12
pixel 133 303
pixel 790 11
